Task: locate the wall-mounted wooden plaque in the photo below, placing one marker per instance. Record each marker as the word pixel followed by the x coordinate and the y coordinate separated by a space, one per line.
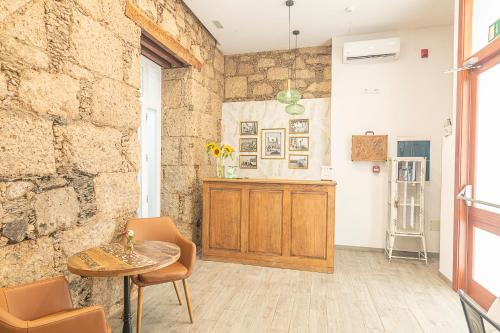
pixel 369 147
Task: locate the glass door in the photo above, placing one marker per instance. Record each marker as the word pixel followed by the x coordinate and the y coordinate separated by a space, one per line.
pixel 150 139
pixel 483 271
pixel 477 233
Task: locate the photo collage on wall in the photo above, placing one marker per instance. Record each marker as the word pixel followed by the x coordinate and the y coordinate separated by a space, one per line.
pixel 299 144
pixel 248 144
pixel 273 144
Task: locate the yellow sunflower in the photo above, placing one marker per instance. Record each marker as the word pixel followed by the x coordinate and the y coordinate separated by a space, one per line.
pixel 209 146
pixel 216 151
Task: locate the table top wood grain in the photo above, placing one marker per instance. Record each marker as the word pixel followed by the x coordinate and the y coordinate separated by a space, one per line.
pixel 112 260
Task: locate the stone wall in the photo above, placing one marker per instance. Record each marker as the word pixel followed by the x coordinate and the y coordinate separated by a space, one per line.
pixel 69 113
pixel 192 111
pixel 260 76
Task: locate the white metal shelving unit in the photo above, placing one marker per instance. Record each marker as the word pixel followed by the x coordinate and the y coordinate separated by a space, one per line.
pixel 406 204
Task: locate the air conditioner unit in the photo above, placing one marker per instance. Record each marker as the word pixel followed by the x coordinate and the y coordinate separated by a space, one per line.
pixel 372 50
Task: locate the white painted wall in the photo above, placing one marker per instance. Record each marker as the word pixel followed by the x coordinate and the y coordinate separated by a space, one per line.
pixel 448 178
pixel 271 114
pixel 414 99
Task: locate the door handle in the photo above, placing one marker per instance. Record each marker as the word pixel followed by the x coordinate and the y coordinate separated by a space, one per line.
pixel 466 195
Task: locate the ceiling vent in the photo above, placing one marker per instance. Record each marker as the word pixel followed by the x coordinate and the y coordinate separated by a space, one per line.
pixel 372 50
pixel 218 25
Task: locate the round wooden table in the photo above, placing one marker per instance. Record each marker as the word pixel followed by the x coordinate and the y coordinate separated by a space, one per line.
pixel 112 260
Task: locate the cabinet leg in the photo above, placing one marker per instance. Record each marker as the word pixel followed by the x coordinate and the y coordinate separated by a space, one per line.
pixel 424 248
pixel 391 245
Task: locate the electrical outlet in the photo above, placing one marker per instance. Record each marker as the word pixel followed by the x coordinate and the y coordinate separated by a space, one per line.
pixel 435 225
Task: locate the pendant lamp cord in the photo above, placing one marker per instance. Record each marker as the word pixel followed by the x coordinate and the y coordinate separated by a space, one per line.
pixel 289 38
pixel 295 64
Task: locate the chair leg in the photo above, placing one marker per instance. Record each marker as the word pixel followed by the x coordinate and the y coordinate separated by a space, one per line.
pixel 177 292
pixel 139 309
pixel 188 300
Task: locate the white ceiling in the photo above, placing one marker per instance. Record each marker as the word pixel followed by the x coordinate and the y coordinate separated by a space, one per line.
pixel 262 25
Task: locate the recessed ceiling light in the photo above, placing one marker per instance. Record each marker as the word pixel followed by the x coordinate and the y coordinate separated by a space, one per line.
pixel 349 9
pixel 217 24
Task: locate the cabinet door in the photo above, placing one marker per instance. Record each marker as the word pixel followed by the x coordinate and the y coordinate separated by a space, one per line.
pixel 265 220
pixel 309 224
pixel 225 219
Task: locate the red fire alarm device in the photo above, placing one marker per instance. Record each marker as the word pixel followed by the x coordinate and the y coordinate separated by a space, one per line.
pixel 376 169
pixel 424 53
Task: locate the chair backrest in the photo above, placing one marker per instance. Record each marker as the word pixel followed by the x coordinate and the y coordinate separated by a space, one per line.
pixel 475 315
pixel 37 299
pixel 155 228
pixel 11 324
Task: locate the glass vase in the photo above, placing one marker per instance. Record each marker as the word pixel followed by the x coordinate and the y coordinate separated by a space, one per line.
pixel 220 168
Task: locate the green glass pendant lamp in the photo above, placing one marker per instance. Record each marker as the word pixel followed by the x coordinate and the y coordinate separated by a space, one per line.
pixel 291 96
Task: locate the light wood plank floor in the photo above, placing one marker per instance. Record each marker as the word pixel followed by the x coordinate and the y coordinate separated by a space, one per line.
pixel 365 294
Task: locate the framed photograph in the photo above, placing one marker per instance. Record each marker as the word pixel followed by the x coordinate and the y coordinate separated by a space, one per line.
pixel 273 143
pixel 299 126
pixel 248 145
pixel 248 128
pixel 248 161
pixel 298 162
pixel 299 143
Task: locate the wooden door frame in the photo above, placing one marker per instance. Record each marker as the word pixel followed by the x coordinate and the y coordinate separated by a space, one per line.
pixel 464 148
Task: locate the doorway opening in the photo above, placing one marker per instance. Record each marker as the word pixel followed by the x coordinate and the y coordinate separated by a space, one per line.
pixel 154 59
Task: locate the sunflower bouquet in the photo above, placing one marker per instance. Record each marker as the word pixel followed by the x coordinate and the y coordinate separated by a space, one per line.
pixel 220 153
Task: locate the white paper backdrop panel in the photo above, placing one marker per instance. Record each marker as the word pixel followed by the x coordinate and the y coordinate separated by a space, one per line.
pixel 271 114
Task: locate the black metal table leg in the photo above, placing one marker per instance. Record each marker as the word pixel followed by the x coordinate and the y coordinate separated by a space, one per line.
pixel 127 317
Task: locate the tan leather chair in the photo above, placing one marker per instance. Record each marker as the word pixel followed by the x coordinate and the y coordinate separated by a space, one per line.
pixel 164 229
pixel 46 307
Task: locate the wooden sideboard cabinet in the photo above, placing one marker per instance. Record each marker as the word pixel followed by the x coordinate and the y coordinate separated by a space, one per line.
pixel 268 222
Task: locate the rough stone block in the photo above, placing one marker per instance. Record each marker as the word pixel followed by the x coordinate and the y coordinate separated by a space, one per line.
pixel 177 93
pixel 26 145
pixel 327 73
pixel 12 50
pixel 132 67
pixel 18 189
pixel 266 62
pixel 319 60
pixel 148 7
pixel 192 151
pixel 305 74
pixel 230 66
pixel 180 122
pixel 236 87
pixel 168 22
pixel 170 205
pixel 256 77
pixel 115 104
pixel 277 73
pixel 92 149
pixel 27 25
pixel 26 262
pixel 3 86
pixel 170 151
pixel 219 61
pixel 94 233
pixel 180 179
pixel 200 98
pixel 132 150
pixel 246 68
pixel 116 193
pixel 9 7
pixel 54 94
pixel 95 47
pixel 56 210
pixel 15 230
pixel 261 89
